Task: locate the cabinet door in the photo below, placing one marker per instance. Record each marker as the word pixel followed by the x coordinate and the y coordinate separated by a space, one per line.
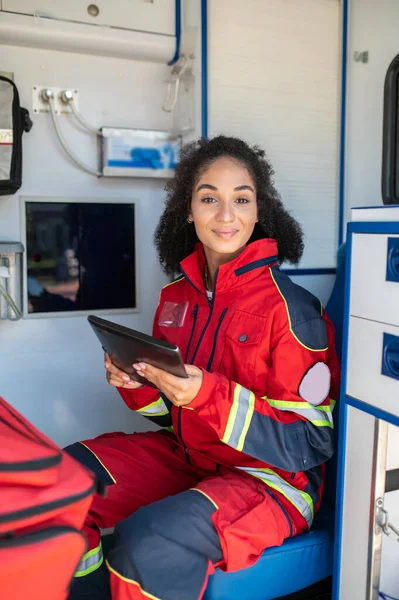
pixel 375 277
pixel 373 364
pixel 153 16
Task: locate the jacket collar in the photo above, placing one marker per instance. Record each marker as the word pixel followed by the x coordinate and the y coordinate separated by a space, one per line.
pixel 252 262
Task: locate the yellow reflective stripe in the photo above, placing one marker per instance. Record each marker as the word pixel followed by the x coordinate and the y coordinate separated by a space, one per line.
pixel 90 561
pixel 287 404
pixel 285 301
pixel 167 285
pixel 232 415
pixel 308 347
pixel 101 463
pixel 319 416
pixel 172 282
pixel 206 496
pixel 289 319
pixel 146 594
pixel 321 423
pixel 332 403
pixel 157 408
pixel 301 500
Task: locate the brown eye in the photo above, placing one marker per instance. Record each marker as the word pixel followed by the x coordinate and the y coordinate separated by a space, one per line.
pixel 242 200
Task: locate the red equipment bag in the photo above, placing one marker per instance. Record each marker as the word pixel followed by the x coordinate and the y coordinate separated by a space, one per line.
pixel 44 498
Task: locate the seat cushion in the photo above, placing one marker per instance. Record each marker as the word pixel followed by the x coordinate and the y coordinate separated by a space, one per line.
pixel 298 563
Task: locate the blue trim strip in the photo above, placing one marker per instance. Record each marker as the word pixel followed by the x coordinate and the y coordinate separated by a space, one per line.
pixel 204 68
pixel 373 207
pixel 292 272
pixel 342 406
pixel 178 33
pixel 373 227
pixel 256 264
pixel 343 122
pixel 378 413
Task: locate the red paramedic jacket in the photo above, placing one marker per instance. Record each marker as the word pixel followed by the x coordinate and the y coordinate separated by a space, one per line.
pixel 266 348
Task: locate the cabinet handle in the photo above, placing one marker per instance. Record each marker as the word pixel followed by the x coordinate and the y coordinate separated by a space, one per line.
pixel 390 356
pixel 393 260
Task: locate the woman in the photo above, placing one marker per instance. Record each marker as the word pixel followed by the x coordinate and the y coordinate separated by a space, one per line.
pixel 242 469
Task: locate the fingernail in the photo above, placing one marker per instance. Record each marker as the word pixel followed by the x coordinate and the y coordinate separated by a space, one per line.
pixel 130 382
pixel 125 378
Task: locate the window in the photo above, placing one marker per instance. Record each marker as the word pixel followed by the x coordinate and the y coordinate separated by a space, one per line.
pixel 390 148
pixel 80 256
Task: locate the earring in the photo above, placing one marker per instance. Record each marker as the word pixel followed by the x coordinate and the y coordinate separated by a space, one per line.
pixel 188 221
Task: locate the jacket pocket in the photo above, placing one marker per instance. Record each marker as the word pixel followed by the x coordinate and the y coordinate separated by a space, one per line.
pixel 243 339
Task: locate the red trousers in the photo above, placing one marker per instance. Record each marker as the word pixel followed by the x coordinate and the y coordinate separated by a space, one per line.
pixel 174 522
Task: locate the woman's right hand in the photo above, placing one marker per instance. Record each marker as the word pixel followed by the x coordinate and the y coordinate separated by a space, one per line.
pixel 119 378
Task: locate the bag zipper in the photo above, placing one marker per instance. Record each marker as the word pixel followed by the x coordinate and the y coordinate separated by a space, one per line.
pixel 194 315
pixel 210 361
pixel 32 465
pixel 13 541
pixel 49 506
pixel 277 501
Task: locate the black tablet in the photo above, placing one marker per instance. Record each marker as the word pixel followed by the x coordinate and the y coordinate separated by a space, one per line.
pixel 126 347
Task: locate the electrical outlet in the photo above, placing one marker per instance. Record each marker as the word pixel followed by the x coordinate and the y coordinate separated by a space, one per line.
pixel 40 107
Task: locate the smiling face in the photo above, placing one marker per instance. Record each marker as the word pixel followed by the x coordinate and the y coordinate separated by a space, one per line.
pixel 224 209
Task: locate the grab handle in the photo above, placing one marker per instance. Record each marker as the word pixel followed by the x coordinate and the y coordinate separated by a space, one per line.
pixel 390 356
pixel 393 260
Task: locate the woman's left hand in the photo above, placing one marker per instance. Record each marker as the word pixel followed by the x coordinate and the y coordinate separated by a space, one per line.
pixel 179 390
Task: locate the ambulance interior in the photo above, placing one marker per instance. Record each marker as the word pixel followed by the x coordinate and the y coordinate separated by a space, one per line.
pixel 314 82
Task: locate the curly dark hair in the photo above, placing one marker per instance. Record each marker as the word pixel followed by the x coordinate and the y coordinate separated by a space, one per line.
pixel 175 238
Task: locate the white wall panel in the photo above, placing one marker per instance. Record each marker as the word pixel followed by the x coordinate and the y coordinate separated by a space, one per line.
pixel 274 80
pixel 51 369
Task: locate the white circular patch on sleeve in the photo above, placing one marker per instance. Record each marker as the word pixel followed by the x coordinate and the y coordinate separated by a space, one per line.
pixel 315 385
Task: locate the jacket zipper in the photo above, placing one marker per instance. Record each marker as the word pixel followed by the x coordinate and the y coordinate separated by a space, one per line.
pixel 38 510
pixel 277 501
pixel 211 305
pixel 210 361
pixel 179 429
pixel 194 315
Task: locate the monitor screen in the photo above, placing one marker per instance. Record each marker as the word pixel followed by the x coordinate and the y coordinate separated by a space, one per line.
pixel 80 256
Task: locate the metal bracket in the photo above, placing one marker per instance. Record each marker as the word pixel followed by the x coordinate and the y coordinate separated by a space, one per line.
pixel 382 521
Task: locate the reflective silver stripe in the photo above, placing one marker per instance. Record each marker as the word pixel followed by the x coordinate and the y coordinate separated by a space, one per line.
pixel 90 561
pixel 243 407
pixel 239 418
pixel 301 500
pixel 155 409
pixel 311 414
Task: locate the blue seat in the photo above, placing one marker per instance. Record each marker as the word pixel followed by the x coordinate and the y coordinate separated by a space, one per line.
pixel 308 558
pixel 298 563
